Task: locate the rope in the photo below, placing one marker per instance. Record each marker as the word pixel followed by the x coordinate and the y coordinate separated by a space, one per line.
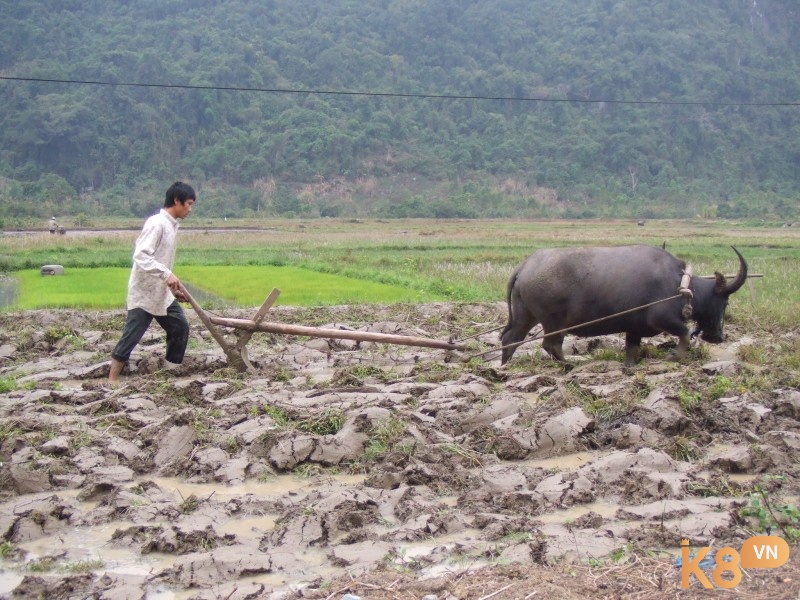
pixel 566 329
pixel 469 337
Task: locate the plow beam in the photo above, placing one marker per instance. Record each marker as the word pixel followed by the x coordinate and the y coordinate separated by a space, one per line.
pixel 337 334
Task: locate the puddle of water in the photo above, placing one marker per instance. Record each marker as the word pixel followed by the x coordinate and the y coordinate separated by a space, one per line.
pixel 604 509
pixel 562 463
pixel 81 544
pixel 425 547
pixel 742 477
pixel 276 486
pixel 93 543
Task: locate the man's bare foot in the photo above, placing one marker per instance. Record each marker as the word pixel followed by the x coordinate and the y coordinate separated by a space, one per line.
pixel 114 371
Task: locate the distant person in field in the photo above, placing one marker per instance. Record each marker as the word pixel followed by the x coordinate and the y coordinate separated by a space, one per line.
pixel 53 225
pixel 153 289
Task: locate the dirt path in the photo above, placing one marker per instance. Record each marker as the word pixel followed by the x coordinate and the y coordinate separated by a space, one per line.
pixel 381 471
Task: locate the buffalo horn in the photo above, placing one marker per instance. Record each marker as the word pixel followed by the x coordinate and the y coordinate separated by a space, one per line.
pixel 741 276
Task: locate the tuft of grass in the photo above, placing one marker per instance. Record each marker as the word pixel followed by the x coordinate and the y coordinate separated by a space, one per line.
pixel 720 386
pixel 383 437
pixel 6 549
pixel 752 353
pixel 683 449
pixel 280 417
pixel 8 384
pixel 609 354
pixel 688 400
pixel 329 422
pixel 84 566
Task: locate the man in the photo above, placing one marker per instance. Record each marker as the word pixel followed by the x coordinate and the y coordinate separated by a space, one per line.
pixel 53 225
pixel 153 289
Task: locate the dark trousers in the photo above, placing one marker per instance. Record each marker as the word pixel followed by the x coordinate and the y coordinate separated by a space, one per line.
pixel 138 320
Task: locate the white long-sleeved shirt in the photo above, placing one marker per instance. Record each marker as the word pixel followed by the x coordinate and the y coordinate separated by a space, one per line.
pixel 153 258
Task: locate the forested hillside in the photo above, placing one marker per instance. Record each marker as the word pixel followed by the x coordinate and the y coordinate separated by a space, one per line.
pixel 452 108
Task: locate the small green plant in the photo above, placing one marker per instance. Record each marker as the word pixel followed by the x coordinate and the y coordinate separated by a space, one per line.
pixel 620 553
pixel 40 566
pixel 354 376
pixel 474 458
pixel 84 566
pixel 9 430
pixel 683 449
pixel 57 332
pixel 6 548
pixel 265 477
pixel 282 374
pixel 189 505
pixel 81 439
pixel 329 422
pixel 769 514
pixel 699 352
pixel 641 386
pixel 400 560
pixel 432 373
pixel 279 416
pixel 383 437
pixel 688 400
pixel 751 353
pixel 307 470
pixel 7 384
pixel 516 537
pixel 232 444
pixel 609 354
pixel 720 386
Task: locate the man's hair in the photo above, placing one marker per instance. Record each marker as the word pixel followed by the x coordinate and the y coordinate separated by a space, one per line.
pixel 179 191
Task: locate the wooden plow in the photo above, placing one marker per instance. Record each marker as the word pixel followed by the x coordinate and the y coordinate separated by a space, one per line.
pixel 237 353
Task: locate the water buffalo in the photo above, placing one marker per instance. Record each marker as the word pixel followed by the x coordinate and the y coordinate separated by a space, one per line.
pixel 564 287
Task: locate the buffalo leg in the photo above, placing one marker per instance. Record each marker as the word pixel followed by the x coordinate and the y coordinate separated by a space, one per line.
pixel 632 345
pixel 515 332
pixel 680 350
pixel 552 345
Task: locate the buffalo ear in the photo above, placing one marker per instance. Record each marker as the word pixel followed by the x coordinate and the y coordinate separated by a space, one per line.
pixel 721 286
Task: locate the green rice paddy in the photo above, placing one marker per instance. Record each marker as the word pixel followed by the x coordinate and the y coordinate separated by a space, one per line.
pixel 325 261
pixel 105 287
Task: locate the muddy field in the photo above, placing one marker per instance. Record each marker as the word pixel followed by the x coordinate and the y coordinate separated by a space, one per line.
pixel 340 469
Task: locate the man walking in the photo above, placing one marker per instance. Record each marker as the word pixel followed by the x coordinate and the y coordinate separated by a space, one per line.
pixel 153 289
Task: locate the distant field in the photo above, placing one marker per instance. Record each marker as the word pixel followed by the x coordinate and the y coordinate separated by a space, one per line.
pixel 421 260
pixel 105 287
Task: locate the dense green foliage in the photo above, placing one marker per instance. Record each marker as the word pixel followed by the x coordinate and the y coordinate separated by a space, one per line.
pixel 97 149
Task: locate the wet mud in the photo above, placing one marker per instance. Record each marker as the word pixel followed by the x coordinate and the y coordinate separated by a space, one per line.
pixel 339 467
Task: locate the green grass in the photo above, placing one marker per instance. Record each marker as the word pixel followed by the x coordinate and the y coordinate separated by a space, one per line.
pixel 106 287
pixel 249 286
pixel 78 288
pixel 421 260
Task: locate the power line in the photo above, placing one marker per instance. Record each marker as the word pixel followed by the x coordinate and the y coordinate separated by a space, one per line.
pixel 395 94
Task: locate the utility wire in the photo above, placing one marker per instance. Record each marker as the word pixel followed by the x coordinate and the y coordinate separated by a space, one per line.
pixel 394 94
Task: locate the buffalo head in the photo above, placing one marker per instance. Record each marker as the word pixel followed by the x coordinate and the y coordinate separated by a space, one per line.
pixel 711 299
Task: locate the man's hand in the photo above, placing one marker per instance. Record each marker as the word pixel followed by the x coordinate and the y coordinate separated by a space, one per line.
pixel 176 287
